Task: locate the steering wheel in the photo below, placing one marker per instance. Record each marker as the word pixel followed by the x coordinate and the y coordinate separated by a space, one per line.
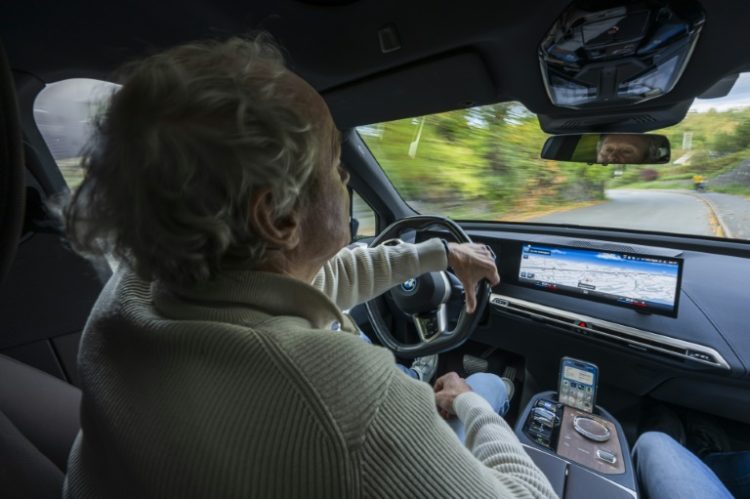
pixel 424 298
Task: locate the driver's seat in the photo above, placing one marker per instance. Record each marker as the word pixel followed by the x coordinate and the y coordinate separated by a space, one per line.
pixel 39 414
pixel 39 419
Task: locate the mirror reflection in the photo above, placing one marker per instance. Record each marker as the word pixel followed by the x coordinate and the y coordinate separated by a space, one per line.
pixel 608 149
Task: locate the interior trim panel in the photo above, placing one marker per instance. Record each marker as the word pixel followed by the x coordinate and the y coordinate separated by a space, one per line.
pixel 707 333
pixel 645 341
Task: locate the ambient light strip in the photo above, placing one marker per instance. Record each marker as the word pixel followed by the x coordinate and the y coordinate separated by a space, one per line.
pixel 633 337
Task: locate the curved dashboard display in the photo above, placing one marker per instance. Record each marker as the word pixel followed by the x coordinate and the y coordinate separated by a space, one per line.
pixel 645 283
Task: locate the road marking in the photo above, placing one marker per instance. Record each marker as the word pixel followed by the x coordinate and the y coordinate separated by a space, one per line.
pixel 718 227
pixel 717 224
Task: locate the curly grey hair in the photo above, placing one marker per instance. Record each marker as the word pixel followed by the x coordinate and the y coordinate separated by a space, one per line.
pixel 184 144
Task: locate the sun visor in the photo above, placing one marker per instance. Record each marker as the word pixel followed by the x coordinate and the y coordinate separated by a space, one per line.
pixel 449 82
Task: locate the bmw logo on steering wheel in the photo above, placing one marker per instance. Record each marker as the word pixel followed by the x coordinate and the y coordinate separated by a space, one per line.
pixel 409 286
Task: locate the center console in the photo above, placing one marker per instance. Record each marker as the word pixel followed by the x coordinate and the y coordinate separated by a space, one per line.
pixel 582 454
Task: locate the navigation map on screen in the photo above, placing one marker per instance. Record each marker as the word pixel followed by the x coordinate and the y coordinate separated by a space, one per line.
pixel 633 280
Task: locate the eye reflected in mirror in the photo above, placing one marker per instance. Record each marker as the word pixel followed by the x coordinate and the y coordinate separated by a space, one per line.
pixel 608 148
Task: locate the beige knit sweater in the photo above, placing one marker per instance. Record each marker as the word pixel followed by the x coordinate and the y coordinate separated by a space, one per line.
pixel 238 388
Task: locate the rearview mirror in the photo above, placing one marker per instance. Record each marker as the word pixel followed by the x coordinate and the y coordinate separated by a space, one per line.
pixel 608 148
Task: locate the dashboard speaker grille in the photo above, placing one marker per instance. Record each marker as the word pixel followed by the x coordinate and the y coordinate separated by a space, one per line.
pixel 603 246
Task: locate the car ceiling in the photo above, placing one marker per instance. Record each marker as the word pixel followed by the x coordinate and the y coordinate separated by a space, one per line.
pixel 452 55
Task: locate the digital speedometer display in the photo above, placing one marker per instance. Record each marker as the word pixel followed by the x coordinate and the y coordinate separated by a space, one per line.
pixel 642 282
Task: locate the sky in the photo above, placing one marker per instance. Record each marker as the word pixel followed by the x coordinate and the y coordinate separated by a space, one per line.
pixel 739 96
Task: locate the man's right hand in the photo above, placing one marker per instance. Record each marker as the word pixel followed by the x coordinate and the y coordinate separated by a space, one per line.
pixel 471 263
pixel 447 388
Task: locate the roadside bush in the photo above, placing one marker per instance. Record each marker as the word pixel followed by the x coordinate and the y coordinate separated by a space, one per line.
pixel 714 166
pixel 677 176
pixel 649 174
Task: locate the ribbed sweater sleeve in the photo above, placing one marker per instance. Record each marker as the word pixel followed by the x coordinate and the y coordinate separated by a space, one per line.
pixel 357 275
pixel 494 443
pixel 409 451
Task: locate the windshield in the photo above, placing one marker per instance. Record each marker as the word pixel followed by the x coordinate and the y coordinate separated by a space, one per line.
pixel 483 164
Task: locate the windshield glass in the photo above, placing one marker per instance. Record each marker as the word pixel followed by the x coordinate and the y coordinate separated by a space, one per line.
pixel 483 164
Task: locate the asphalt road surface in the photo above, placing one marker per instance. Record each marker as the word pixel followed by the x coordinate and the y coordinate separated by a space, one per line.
pixel 734 212
pixel 661 211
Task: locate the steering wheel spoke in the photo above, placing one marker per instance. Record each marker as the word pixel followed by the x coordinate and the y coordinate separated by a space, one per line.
pixel 431 325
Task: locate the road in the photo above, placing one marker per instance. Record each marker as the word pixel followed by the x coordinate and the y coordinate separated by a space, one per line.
pixel 676 211
pixel 734 212
pixel 661 211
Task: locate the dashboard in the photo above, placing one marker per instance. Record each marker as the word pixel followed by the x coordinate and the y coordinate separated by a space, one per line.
pixel 658 321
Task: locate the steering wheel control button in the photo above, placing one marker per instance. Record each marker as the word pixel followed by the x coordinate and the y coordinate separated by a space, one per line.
pixel 606 456
pixel 591 428
pixel 428 325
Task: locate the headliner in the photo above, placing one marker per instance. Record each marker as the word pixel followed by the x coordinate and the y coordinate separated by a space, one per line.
pixel 453 54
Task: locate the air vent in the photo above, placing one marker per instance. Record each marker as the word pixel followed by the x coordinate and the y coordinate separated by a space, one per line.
pixel 611 332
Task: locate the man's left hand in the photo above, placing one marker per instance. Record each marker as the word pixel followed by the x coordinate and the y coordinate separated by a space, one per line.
pixel 471 263
pixel 447 388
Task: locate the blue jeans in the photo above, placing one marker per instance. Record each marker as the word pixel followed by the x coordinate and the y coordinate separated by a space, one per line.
pixel 668 470
pixel 409 372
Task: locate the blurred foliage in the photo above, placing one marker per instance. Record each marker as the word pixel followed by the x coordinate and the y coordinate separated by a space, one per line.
pixel 483 163
pixel 734 189
pixel 479 163
pixel 649 174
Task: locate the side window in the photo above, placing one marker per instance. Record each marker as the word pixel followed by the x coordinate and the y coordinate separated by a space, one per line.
pixel 65 113
pixel 365 216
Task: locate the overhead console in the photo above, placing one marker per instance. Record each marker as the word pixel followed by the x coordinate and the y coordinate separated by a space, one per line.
pixel 596 55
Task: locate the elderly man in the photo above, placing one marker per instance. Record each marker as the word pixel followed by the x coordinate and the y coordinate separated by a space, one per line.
pixel 624 148
pixel 208 366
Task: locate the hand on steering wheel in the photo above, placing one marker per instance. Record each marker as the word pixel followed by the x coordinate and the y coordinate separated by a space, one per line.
pixel 471 263
pixel 425 298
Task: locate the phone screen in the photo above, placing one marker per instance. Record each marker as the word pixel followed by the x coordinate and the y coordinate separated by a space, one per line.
pixel 578 384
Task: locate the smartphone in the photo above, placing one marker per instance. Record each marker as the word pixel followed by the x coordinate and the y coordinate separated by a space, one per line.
pixel 578 382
